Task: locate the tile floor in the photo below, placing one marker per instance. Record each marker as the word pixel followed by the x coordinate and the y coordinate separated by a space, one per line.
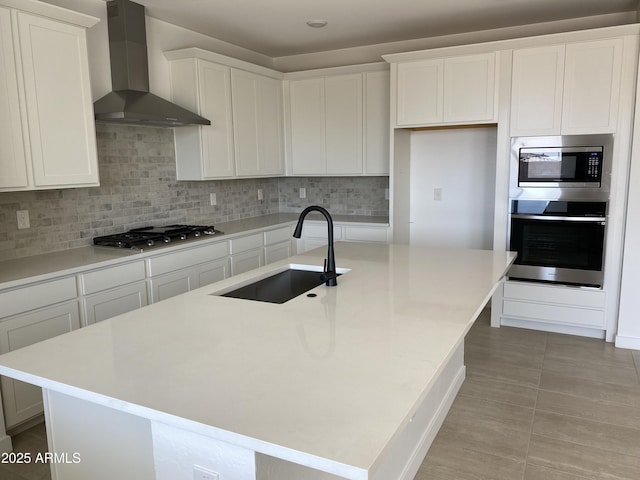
pixel 534 406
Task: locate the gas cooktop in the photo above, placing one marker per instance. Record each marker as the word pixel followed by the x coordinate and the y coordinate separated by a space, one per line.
pixel 143 237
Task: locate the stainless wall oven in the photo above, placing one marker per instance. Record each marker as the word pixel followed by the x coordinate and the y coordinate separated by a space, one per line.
pixel 558 241
pixel 559 189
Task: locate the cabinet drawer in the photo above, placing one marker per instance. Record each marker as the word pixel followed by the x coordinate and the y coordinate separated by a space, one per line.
pixel 37 296
pixel 555 294
pixel 93 282
pixel 277 236
pixel 365 234
pixel 244 244
pixel 554 313
pixel 186 258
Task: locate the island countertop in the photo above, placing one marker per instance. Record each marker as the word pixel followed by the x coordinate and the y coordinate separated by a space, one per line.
pixel 325 381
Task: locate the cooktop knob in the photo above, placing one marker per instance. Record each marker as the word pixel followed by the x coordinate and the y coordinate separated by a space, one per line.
pixel 150 243
pixel 196 234
pixel 183 236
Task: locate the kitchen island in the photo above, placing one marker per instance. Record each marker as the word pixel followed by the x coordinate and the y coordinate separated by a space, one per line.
pixel 351 383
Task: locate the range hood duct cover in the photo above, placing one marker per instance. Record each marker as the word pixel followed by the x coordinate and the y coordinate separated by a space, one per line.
pixel 130 102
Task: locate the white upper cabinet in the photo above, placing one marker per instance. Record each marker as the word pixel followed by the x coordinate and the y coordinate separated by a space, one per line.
pixel 257 124
pixel 450 90
pixel 13 160
pixel 376 123
pixel 343 124
pixel 567 89
pixel 203 152
pixel 243 103
pixel 47 129
pixel 306 107
pixel 536 95
pixel 338 124
pixel 592 78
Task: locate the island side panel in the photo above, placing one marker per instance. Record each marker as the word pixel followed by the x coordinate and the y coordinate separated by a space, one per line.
pixel 95 442
pixel 178 452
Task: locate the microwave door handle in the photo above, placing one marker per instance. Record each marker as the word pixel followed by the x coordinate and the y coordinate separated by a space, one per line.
pixel 564 219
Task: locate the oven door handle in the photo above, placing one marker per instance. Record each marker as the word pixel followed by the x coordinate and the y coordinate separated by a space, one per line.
pixel 601 220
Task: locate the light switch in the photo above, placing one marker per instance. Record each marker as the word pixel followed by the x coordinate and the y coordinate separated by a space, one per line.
pixel 437 194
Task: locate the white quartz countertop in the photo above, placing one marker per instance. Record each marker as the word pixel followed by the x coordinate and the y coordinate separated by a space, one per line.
pixel 19 271
pixel 328 381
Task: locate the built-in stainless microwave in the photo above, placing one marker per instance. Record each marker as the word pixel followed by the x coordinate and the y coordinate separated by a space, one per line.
pixel 561 167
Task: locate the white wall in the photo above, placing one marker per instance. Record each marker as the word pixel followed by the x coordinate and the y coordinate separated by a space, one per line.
pixel 460 162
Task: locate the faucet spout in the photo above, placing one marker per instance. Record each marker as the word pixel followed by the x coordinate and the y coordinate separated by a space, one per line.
pixel 330 274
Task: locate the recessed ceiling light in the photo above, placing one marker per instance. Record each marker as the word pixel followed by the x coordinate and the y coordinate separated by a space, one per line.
pixel 317 23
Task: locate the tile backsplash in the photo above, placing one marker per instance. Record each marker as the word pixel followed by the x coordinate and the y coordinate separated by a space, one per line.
pixel 139 188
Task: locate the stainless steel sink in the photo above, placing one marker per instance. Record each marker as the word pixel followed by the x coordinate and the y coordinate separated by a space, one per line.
pixel 280 287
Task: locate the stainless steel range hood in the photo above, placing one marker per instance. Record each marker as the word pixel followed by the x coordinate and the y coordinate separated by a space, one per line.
pixel 130 102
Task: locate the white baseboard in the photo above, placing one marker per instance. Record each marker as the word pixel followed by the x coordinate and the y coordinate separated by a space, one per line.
pixel 632 343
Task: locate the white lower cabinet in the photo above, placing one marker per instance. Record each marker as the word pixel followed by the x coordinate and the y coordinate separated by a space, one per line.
pixel 182 281
pixel 109 292
pixel 557 308
pixel 114 302
pixel 247 253
pixel 179 272
pixel 278 244
pixel 22 401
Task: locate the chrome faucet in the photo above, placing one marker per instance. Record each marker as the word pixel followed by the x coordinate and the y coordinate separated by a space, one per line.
pixel 330 275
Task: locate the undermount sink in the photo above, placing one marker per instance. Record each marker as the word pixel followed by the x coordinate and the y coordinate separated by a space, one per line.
pixel 281 286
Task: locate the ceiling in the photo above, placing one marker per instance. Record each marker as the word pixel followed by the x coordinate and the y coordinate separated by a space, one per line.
pixel 277 28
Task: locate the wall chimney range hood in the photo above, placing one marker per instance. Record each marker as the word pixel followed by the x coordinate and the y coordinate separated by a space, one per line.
pixel 130 102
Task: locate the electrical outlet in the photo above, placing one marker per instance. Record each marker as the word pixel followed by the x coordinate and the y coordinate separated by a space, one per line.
pixel 260 196
pixel 386 194
pixel 437 194
pixel 212 199
pixel 23 219
pixel 201 473
pixel 303 192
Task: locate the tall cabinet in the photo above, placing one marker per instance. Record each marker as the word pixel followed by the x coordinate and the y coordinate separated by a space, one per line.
pixel 47 129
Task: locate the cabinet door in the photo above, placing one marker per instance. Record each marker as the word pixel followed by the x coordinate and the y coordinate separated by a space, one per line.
pixel 108 304
pixel 246 261
pixel 215 104
pixel 13 162
pixel 469 86
pixel 172 284
pixel 270 126
pixel 536 97
pixel 376 123
pixel 420 92
pixel 245 121
pixel 257 123
pixel 59 102
pixel 23 401
pixel 278 251
pixel 212 272
pixel 307 126
pixel 592 78
pixel 343 124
